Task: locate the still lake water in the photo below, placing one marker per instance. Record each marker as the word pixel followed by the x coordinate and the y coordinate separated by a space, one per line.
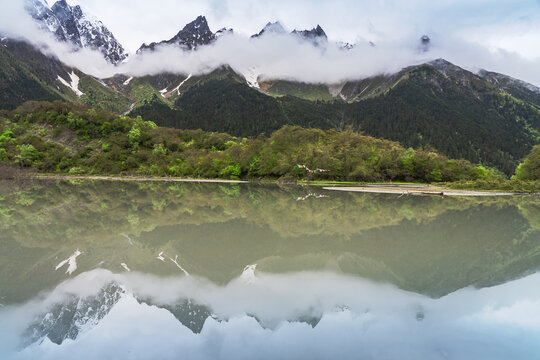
pixel 153 270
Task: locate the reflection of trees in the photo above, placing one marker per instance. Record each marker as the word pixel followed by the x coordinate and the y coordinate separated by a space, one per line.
pixel 66 212
pixel 431 245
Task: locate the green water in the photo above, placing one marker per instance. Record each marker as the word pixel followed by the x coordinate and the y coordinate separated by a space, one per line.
pixel 428 245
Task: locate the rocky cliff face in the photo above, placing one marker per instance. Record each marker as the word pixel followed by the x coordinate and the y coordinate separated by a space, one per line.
pixel 71 24
pixel 193 35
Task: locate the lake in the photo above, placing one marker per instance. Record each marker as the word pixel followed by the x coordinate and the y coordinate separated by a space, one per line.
pixel 139 270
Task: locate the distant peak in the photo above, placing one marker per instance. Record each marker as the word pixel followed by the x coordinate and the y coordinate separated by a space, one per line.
pixel 61 3
pixel 271 27
pixel 425 43
pixel 199 24
pixel 316 34
pixel 200 20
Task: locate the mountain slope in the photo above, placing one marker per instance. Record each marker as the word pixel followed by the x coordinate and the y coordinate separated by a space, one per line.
pixel 486 118
pixel 28 74
pixel 436 104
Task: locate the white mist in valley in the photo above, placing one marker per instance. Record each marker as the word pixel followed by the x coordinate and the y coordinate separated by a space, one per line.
pixel 262 318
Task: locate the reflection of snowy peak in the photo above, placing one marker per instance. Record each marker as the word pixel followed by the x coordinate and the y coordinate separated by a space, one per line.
pixel 71 24
pixel 190 314
pixel 67 320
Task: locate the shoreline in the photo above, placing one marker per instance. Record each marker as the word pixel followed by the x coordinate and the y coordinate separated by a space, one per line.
pixel 422 190
pixel 132 178
pixel 377 188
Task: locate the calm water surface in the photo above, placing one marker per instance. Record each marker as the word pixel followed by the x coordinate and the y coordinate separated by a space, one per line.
pixel 111 270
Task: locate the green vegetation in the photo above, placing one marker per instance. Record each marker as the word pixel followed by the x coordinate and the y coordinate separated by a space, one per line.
pixel 420 107
pixel 72 139
pixel 311 92
pixel 436 105
pixel 529 169
pixel 20 81
pixel 101 97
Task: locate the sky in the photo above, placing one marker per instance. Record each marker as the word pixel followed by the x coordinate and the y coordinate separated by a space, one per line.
pixel 497 35
pixel 511 25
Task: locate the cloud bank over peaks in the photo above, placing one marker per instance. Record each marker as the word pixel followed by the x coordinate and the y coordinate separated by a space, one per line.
pixel 275 54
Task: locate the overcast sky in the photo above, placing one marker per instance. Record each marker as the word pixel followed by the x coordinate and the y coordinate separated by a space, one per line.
pixel 512 25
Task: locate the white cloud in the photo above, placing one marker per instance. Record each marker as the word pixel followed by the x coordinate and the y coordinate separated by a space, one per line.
pixel 502 36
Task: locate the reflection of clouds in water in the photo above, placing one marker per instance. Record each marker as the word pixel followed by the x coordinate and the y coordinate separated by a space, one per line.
pixel 379 321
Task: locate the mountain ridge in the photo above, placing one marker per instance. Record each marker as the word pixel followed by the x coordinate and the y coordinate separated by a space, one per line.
pixel 435 104
pixel 70 24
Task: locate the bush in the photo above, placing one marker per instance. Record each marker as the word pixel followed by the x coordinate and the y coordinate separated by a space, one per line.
pixel 28 155
pixel 529 169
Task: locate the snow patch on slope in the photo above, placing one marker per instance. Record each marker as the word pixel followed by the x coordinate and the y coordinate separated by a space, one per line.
pixel 74 85
pixel 251 76
pixel 71 261
pixel 177 89
pixel 126 83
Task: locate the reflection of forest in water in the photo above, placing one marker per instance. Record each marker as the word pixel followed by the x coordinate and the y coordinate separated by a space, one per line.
pixel 430 245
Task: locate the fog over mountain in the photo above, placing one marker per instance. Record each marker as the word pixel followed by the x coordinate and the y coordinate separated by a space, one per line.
pixel 397 40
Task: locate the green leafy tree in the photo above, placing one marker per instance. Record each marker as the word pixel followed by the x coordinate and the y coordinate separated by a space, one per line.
pixel 529 169
pixel 27 155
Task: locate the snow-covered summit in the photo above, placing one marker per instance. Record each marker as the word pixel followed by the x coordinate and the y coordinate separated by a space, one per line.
pixel 193 35
pixel 72 24
pixel 271 28
pixel 315 35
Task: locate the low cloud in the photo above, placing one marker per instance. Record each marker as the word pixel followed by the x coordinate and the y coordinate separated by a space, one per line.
pixel 284 56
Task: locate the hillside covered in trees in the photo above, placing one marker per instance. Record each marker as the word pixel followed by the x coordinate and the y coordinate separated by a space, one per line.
pixel 73 139
pixel 486 118
pixel 460 114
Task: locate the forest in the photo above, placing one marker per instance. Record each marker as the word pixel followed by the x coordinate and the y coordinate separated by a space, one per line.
pixel 68 138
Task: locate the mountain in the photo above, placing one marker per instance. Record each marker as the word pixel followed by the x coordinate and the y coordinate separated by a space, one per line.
pixel 315 35
pixel 518 88
pixel 436 104
pixel 27 74
pixel 71 24
pixel 72 317
pixel 193 35
pixel 271 28
pixel 223 31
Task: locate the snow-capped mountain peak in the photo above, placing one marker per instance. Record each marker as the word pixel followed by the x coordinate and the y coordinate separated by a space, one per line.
pixel 271 28
pixel 74 25
pixel 315 35
pixel 193 35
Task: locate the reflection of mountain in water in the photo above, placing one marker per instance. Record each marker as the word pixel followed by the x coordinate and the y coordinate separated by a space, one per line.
pixel 259 320
pixel 190 314
pixel 75 315
pixel 68 319
pixel 430 245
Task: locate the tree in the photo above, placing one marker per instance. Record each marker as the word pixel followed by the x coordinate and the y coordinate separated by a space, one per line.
pixel 529 169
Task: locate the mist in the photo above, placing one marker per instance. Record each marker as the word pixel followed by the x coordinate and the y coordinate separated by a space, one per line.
pixel 281 56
